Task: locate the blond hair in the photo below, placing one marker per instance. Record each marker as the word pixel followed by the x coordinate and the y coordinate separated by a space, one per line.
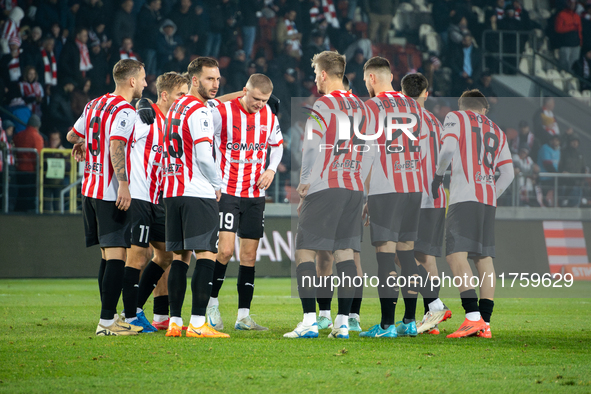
pixel 330 62
pixel 170 80
pixel 261 82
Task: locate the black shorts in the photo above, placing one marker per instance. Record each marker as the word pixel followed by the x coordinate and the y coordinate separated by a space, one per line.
pixel 148 222
pixel 394 217
pixel 192 223
pixel 105 224
pixel 431 228
pixel 243 215
pixel 329 220
pixel 470 227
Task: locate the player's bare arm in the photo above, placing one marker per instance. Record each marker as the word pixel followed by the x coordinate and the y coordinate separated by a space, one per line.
pixel 117 149
pixel 78 150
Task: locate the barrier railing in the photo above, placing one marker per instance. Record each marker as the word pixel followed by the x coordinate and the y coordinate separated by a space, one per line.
pixel 24 179
pixel 58 169
pixel 536 189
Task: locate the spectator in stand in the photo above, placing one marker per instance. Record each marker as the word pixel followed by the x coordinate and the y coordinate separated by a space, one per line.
pixel 123 23
pixel 456 32
pixel 582 68
pixel 380 13
pixel 80 97
pixel 91 12
pixel 74 61
pixel 147 31
pixel 288 37
pixel 101 71
pixel 31 90
pixel 11 29
pixel 526 139
pixel 221 22
pixel 125 51
pixel 167 42
pixel 545 124
pixel 27 164
pixel 484 84
pixel 59 39
pixel 569 35
pixel 201 26
pixel 180 61
pixel 53 186
pixel 586 28
pixel 345 37
pixel 286 87
pixel 30 47
pixel 494 15
pixel 48 72
pixel 49 13
pixel 98 35
pixel 183 17
pixel 523 164
pixel 249 9
pixel 571 162
pixel 12 64
pixel 314 46
pixel 522 15
pixel 60 107
pixel 69 15
pixel 466 65
pixel 567 137
pixel 445 12
pixel 354 71
pixel 236 73
pixel 548 160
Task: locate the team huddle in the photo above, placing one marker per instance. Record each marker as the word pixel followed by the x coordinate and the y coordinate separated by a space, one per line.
pixel 183 176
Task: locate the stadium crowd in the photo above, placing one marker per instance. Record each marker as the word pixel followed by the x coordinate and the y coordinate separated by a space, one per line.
pixel 58 54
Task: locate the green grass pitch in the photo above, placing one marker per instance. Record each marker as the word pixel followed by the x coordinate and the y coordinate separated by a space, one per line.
pixel 48 344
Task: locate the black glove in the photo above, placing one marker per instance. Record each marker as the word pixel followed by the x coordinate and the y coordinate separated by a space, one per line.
pixel 274 104
pixel 146 111
pixel 437 180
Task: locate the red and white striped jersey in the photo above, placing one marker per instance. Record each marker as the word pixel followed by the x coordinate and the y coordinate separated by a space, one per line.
pixel 145 166
pixel 396 166
pixel 339 164
pixel 106 118
pixel 10 30
pixel 241 141
pixel 430 146
pixel 187 124
pixel 482 149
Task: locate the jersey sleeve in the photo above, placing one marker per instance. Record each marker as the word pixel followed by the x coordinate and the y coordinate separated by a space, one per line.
pixel 201 126
pixel 141 129
pixel 451 127
pixel 80 126
pixel 216 121
pixel 276 138
pixel 315 122
pixel 122 126
pixel 213 103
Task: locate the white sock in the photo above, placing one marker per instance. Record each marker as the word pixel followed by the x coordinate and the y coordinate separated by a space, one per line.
pixel 160 318
pixel 138 310
pixel 436 306
pixel 325 314
pixel 473 316
pixel 309 318
pixel 488 324
pixel 106 323
pixel 341 320
pixel 213 302
pixel 242 313
pixel 176 320
pixel 129 320
pixel 197 321
pixel 354 316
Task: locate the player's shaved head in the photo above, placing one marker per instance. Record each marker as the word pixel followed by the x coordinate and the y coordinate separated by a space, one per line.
pixel 413 85
pixel 125 69
pixel 331 62
pixel 472 100
pixel 261 82
pixel 378 66
pixel 196 66
pixel 169 81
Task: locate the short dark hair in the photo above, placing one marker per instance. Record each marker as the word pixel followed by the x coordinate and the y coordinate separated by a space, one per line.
pixel 377 63
pixel 472 99
pixel 125 69
pixel 196 66
pixel 414 84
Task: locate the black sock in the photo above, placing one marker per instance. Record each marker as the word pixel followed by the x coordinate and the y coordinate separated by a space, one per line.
pixel 201 285
pixel 356 305
pixel 325 293
pixel 428 295
pixel 306 290
pixel 408 269
pixel 245 286
pixel 469 300
pixel 177 286
pixel 101 275
pixel 112 286
pixel 148 283
pixel 131 278
pixel 388 294
pixel 347 273
pixel 486 309
pixel 161 305
pixel 219 275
